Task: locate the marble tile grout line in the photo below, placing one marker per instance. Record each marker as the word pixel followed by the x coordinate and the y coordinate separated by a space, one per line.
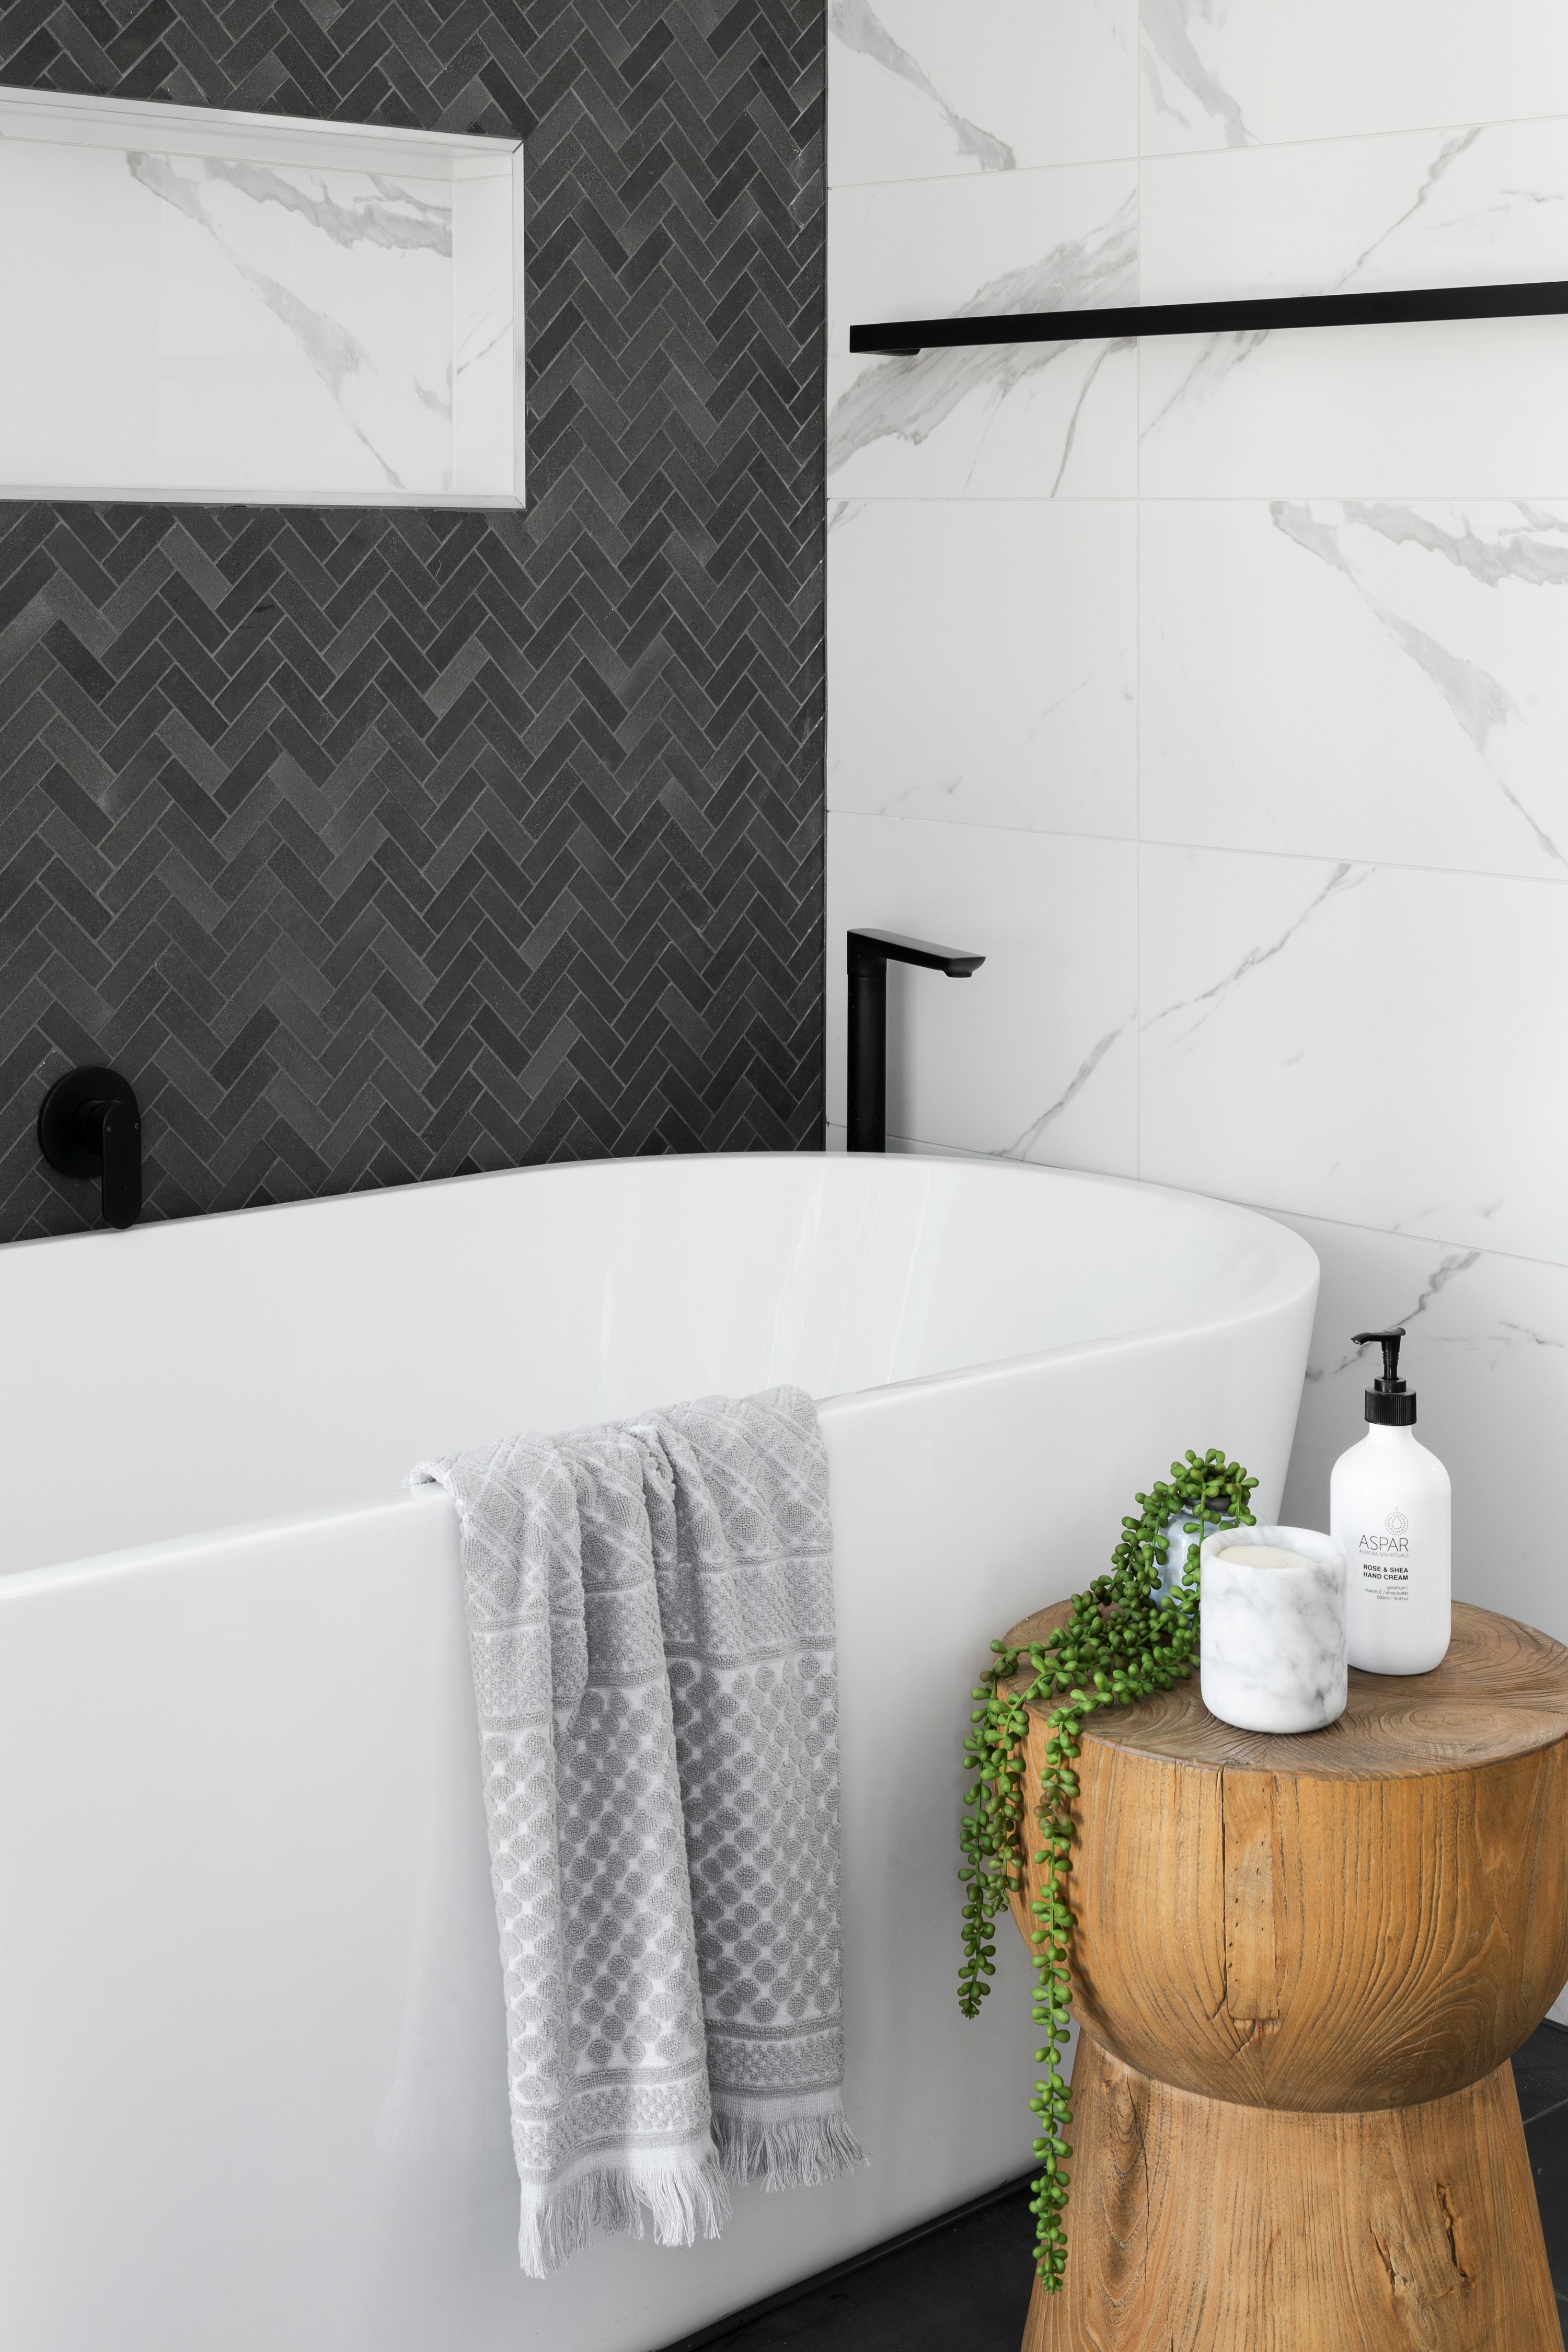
pixel 1138 840
pixel 1217 153
pixel 1138 710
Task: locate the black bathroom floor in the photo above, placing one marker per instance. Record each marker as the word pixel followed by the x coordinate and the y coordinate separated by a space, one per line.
pixel 964 2286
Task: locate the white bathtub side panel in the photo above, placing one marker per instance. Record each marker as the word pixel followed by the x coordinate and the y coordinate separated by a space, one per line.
pixel 251 2056
pixel 955 1514
pixel 242 1892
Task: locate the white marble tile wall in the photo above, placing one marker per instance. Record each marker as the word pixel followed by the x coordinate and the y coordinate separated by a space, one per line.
pixel 1217 688
pixel 987 648
pixel 1016 421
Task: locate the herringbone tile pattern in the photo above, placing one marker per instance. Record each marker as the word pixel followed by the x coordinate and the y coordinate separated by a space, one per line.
pixel 382 844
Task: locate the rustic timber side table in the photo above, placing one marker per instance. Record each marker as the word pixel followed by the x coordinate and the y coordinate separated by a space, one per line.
pixel 1301 1965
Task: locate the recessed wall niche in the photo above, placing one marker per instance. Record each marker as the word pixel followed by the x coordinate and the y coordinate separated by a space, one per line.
pixel 250 309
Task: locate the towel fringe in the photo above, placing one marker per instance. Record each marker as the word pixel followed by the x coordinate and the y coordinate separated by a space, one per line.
pixel 785 2151
pixel 685 2199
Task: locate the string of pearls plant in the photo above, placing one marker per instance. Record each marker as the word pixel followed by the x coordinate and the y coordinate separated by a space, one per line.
pixel 1121 1641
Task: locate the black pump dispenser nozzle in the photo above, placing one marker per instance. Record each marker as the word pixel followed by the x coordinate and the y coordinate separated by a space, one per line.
pixel 1388 1400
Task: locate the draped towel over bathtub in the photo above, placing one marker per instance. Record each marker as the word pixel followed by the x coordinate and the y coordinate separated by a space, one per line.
pixel 651 1617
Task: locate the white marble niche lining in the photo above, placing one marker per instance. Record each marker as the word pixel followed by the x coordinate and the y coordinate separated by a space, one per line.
pixel 241 308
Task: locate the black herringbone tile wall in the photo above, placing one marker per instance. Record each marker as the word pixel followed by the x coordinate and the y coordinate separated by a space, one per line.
pixel 378 845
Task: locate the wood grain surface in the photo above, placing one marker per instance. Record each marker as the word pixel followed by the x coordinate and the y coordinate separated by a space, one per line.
pixel 1501 1690
pixel 1301 1963
pixel 1278 1923
pixel 1195 2227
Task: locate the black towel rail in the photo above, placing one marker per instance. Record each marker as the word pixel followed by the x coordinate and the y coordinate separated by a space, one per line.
pixel 906 338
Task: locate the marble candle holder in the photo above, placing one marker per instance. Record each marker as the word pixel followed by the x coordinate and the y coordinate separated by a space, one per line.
pixel 1273 1653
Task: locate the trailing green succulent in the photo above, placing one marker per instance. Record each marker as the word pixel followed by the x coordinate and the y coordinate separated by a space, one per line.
pixel 1122 1639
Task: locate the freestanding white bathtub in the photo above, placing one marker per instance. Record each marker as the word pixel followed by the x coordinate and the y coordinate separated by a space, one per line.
pixel 252 2092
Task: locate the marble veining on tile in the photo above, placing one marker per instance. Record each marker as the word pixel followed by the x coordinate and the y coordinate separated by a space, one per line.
pixel 1387 1029
pixel 1444 740
pixel 1203 365
pixel 385 355
pixel 192 322
pixel 924 89
pixel 857 23
pixel 1026 1146
pixel 1472 202
pixel 1481 704
pixel 1219 73
pixel 348 208
pixel 1422 207
pixel 1029 419
pixel 1171 1030
pixel 1034 604
pixel 1409 1312
pixel 907 399
pixel 1183 82
pixel 1443 408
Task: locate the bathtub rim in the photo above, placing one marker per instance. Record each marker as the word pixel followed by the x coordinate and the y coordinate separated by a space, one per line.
pixel 145 1232
pixel 1294 1280
pixel 1296 1269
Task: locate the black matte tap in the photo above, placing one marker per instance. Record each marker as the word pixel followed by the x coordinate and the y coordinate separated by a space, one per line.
pixel 870 953
pixel 90 1125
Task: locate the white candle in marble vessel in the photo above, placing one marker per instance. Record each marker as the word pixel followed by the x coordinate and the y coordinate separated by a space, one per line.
pixel 1273 1629
pixel 1264 1555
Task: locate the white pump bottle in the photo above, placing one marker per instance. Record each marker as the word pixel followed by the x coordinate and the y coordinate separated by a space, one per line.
pixel 1390 1508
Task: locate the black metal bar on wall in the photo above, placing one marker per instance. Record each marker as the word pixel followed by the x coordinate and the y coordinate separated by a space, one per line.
pixel 1399 306
pixel 374 845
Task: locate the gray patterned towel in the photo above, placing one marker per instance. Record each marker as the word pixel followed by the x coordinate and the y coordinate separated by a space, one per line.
pixel 651 1614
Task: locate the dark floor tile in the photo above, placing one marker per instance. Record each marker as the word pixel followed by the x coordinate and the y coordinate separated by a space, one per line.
pixel 1547 2140
pixel 1540 2070
pixel 963 2287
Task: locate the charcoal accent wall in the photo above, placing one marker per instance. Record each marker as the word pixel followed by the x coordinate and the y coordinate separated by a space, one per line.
pixel 378 844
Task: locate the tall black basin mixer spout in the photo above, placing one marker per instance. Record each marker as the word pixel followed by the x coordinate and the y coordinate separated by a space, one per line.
pixel 90 1125
pixel 870 952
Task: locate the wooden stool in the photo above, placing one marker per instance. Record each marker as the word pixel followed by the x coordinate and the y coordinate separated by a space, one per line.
pixel 1301 1965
